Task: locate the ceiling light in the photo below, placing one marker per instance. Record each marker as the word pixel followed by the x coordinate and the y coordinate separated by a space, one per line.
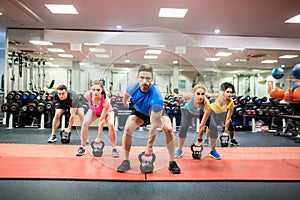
pixel 288 56
pixel 57 50
pixel 228 64
pixel 119 27
pixel 240 60
pixel 150 57
pixel 172 12
pixel 98 55
pixel 223 54
pixel 61 9
pixel 91 44
pixel 38 42
pixel 295 19
pixel 151 51
pixel 217 31
pixel 97 50
pixel 66 55
pixel 127 61
pixel 212 59
pixel 1 13
pixel 175 62
pixel 50 58
pixel 269 61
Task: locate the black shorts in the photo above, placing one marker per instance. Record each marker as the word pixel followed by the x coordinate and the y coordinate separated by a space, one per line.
pixel 140 115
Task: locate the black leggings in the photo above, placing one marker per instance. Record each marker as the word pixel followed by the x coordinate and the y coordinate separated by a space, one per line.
pixel 186 121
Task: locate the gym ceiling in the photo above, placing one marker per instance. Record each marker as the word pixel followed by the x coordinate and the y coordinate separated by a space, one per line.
pixel 257 26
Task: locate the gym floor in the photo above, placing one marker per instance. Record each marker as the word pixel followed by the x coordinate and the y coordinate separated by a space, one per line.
pixel 14 188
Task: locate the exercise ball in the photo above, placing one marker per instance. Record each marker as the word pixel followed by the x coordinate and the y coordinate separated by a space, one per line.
pixel 288 94
pixel 296 71
pixel 277 73
pixel 277 93
pixel 295 86
pixel 296 94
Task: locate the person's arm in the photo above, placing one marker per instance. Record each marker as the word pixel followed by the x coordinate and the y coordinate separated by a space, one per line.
pixel 228 118
pixel 71 119
pixel 126 97
pixel 155 120
pixel 104 111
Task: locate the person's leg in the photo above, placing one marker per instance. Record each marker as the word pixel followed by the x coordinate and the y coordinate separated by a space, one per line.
pixel 170 142
pixel 186 119
pixel 112 132
pixel 55 124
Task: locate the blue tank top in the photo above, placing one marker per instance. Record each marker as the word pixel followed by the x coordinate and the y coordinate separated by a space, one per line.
pixel 190 107
pixel 145 102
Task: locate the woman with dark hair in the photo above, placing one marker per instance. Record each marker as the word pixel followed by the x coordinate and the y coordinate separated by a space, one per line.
pixel 221 112
pixel 99 107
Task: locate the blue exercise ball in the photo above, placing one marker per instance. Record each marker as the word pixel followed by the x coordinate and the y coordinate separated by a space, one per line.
pixel 277 73
pixel 295 86
pixel 296 71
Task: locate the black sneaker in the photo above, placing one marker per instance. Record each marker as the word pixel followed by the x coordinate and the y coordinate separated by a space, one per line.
pixel 124 167
pixel 173 167
pixel 234 142
pixel 80 151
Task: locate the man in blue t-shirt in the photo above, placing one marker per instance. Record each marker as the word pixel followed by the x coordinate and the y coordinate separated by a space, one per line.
pixel 147 109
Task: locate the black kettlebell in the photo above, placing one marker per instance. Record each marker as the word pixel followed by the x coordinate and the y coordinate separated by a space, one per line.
pixel 97 148
pixel 196 153
pixel 224 140
pixel 65 137
pixel 146 166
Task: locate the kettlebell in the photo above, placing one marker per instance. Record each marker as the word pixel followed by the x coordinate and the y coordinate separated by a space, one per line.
pixel 65 137
pixel 146 166
pixel 97 148
pixel 196 153
pixel 224 140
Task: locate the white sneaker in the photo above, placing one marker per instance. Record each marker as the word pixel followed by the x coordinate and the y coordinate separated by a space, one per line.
pixel 52 139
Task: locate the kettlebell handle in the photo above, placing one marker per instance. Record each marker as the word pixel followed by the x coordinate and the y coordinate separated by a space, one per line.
pixel 143 154
pixel 101 144
pixel 193 146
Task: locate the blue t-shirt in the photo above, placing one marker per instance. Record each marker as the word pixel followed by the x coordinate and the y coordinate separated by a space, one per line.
pixel 145 102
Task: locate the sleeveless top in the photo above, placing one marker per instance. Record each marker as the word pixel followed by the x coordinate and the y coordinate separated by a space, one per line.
pixel 98 109
pixel 216 107
pixel 190 106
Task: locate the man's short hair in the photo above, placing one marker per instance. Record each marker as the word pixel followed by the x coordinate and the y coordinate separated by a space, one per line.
pixel 62 87
pixel 145 68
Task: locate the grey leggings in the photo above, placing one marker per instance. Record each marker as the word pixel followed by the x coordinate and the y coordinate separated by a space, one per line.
pixel 215 121
pixel 186 121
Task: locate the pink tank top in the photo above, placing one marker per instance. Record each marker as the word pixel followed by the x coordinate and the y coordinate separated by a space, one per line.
pixel 98 109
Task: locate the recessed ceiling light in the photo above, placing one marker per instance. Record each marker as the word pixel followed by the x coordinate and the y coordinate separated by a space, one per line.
pixel 240 60
pixel 127 61
pixel 223 54
pixel 269 61
pixel 150 57
pixel 172 12
pixel 119 27
pixel 57 50
pixel 38 42
pixel 288 56
pixel 97 50
pixel 228 64
pixel 152 51
pixel 66 55
pixel 91 44
pixel 217 31
pixel 61 9
pixel 1 13
pixel 212 59
pixel 175 62
pixel 295 19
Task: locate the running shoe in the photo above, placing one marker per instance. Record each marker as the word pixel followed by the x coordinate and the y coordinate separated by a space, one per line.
pixel 214 154
pixel 124 167
pixel 52 139
pixel 178 153
pixel 173 167
pixel 115 153
pixel 234 142
pixel 80 151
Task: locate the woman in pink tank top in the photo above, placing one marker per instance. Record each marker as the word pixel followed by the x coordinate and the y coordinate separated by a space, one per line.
pixel 99 107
